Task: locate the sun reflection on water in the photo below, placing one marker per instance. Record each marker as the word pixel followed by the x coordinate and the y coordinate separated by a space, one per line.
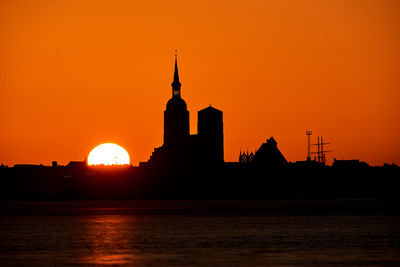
pixel 116 259
pixel 181 240
pixel 109 241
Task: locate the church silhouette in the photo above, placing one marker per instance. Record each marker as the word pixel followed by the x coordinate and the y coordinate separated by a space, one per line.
pixel 205 148
pixel 180 147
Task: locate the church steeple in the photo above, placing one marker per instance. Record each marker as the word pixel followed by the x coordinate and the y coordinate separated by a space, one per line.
pixel 176 85
pixel 176 115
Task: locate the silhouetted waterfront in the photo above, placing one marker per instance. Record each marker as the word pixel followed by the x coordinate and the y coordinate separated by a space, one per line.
pixel 192 166
pixel 164 233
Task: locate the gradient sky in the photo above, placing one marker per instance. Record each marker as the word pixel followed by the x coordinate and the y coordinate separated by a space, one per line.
pixel 75 74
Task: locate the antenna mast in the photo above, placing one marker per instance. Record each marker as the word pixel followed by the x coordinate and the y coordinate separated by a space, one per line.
pixel 308 133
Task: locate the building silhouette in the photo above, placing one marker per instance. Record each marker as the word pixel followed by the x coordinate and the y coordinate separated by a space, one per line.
pixel 211 134
pixel 182 148
pixel 176 116
pixel 268 155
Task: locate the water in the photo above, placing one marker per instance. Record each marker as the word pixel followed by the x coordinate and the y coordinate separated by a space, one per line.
pixel 106 238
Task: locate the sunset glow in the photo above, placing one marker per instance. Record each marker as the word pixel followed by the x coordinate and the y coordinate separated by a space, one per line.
pixel 275 68
pixel 108 154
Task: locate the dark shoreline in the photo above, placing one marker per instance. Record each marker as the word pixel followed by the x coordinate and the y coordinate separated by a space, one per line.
pixel 331 207
pixel 227 181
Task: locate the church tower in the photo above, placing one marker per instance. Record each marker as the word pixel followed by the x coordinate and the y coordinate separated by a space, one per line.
pixel 176 115
pixel 211 134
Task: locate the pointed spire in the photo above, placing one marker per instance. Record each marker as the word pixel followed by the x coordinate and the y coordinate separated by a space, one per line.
pixel 176 74
pixel 176 85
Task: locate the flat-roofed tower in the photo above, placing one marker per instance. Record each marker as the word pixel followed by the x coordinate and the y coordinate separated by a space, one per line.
pixel 211 134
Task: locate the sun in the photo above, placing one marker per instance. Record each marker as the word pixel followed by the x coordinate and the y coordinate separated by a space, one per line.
pixel 108 154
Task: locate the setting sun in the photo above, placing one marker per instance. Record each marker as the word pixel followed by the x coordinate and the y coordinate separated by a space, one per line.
pixel 108 154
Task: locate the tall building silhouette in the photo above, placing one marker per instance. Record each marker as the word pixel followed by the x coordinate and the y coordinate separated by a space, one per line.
pixel 176 115
pixel 179 146
pixel 211 134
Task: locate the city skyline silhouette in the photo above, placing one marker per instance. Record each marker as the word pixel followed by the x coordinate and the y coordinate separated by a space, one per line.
pixel 192 166
pixel 199 133
pixel 73 76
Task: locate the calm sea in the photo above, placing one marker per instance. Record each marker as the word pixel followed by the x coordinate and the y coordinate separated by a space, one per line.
pixel 110 235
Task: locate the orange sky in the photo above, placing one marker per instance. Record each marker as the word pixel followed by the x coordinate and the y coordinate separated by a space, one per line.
pixel 75 74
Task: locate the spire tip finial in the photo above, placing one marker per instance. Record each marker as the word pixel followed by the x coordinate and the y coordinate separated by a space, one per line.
pixel 176 85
